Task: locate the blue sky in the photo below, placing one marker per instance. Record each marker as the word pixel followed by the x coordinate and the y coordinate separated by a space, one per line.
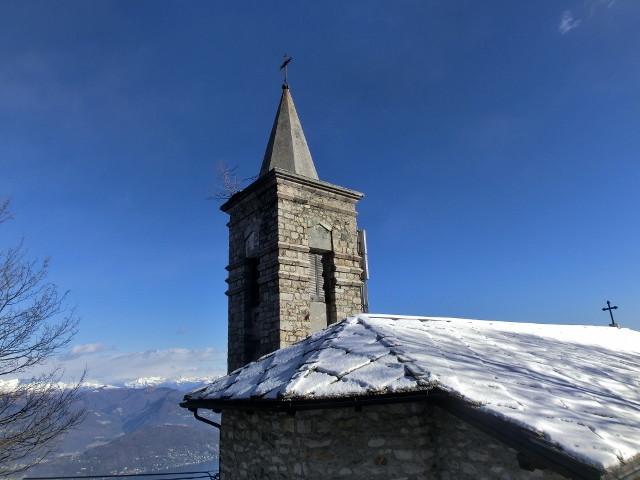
pixel 497 144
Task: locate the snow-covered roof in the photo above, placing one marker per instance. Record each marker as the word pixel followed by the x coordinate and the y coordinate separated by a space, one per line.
pixel 577 386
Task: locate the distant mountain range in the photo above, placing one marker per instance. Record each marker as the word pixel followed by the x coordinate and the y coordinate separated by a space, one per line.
pixel 185 384
pixel 134 430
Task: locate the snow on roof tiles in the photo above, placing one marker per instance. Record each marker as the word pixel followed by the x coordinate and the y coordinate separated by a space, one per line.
pixel 578 386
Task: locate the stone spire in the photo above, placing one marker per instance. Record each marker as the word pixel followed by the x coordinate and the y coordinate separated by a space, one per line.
pixel 287 148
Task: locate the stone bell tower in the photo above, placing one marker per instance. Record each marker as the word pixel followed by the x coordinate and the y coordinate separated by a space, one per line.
pixel 294 266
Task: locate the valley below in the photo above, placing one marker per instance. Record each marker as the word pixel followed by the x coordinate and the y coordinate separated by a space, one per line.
pixel 133 430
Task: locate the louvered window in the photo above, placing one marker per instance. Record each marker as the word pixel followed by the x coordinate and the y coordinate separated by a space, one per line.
pixel 316 285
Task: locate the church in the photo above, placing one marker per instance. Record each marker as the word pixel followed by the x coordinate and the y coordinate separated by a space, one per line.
pixel 318 388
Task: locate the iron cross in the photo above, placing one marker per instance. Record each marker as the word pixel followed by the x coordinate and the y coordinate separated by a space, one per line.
pixel 610 308
pixel 284 66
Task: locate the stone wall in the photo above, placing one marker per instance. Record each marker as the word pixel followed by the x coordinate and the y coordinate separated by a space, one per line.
pixel 256 207
pixel 282 207
pixel 300 207
pixel 407 441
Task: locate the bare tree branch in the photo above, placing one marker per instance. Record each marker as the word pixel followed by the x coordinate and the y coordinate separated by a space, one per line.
pixel 228 182
pixel 5 214
pixel 33 414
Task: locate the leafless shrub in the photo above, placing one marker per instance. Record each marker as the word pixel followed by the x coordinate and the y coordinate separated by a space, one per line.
pixel 228 182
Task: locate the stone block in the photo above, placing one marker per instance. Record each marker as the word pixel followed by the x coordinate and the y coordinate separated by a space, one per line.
pixel 376 442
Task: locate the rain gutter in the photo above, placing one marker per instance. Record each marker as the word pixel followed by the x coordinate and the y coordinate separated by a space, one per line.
pixel 202 419
pixel 294 405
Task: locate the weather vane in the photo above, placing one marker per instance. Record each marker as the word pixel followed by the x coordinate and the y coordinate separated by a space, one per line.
pixel 284 67
pixel 610 308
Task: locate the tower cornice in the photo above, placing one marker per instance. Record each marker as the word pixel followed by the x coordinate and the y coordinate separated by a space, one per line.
pixel 277 173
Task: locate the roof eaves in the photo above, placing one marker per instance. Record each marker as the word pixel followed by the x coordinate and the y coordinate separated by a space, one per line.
pixel 295 404
pixel 628 471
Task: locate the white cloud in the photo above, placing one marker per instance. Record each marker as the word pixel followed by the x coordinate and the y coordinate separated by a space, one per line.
pixel 567 22
pixel 606 3
pixel 130 367
pixel 586 11
pixel 89 348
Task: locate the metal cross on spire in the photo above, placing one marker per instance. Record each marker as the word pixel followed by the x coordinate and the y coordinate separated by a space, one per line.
pixel 284 66
pixel 610 308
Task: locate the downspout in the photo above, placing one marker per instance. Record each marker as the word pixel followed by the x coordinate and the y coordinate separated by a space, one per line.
pixel 202 419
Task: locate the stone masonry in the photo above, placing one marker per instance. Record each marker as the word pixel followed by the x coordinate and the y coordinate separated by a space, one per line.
pixel 270 226
pixel 408 441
